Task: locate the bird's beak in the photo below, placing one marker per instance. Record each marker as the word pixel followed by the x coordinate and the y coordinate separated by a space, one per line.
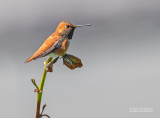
pixel 82 25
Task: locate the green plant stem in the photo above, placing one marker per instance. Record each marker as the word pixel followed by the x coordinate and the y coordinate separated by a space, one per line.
pixel 39 95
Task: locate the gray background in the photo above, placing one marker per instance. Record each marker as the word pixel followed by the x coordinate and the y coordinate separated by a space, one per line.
pixel 120 54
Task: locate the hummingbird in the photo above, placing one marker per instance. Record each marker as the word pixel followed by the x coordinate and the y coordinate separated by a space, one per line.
pixel 57 44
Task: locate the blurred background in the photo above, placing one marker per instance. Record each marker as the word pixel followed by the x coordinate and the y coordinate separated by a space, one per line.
pixel 120 54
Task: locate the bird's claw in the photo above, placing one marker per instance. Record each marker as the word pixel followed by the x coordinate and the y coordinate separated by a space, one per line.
pixel 48 67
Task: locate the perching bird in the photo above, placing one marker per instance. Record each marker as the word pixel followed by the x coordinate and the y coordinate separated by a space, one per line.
pixel 56 44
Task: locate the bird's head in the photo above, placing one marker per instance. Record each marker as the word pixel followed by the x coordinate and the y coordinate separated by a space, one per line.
pixel 67 28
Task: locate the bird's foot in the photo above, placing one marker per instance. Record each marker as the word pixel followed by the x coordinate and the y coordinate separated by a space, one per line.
pixel 49 66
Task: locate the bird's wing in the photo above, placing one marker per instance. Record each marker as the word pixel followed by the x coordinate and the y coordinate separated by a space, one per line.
pixel 51 44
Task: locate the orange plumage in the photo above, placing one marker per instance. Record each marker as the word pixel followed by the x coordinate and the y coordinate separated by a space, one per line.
pixel 64 30
pixel 58 42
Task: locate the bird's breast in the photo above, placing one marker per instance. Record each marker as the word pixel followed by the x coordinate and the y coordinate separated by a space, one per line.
pixel 63 49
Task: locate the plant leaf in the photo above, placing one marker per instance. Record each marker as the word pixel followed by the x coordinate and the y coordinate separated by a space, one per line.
pixel 71 61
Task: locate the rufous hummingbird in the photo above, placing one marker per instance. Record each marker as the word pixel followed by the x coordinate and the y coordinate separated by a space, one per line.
pixel 56 44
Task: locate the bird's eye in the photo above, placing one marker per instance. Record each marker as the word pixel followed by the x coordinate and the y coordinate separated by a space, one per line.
pixel 67 26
